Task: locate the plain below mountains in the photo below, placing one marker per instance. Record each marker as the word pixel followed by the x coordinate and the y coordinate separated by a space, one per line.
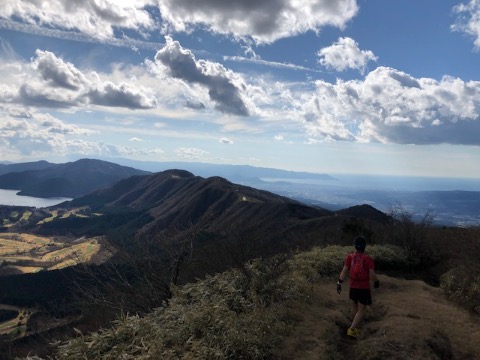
pixel 44 179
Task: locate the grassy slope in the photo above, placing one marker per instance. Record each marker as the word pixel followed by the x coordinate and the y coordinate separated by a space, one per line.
pixel 292 312
pixel 408 320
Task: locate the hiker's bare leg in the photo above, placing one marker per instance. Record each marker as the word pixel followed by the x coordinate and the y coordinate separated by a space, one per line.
pixel 354 309
pixel 359 316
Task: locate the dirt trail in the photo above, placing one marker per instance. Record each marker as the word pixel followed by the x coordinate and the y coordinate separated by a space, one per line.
pixel 408 320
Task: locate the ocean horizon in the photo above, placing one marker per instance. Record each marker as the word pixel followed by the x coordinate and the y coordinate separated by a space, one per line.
pixel 391 182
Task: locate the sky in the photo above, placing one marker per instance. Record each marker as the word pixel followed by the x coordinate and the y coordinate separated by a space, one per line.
pixel 379 87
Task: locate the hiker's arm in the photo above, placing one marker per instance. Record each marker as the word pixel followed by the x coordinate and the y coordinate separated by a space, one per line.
pixel 341 277
pixel 343 274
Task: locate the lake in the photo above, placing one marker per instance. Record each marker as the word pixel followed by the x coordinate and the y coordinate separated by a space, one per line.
pixel 10 197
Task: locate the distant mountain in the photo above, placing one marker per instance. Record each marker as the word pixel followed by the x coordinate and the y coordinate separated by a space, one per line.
pixel 64 180
pixel 19 167
pixel 365 212
pixel 235 173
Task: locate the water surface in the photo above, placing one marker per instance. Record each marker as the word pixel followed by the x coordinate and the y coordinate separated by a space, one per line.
pixel 10 197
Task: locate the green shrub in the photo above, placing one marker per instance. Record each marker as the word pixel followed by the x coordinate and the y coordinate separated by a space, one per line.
pixel 462 284
pixel 328 261
pixel 389 257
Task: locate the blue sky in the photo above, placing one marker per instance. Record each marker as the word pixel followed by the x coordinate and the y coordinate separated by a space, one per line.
pixel 367 86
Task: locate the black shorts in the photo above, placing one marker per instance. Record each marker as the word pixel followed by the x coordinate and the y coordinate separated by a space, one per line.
pixel 361 296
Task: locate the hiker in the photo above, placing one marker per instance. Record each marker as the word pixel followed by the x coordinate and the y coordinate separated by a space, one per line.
pixel 361 268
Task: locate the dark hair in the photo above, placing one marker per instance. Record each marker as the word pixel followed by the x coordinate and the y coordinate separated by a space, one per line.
pixel 360 243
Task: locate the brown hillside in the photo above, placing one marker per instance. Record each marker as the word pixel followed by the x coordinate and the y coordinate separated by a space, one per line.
pixel 408 320
pixel 176 199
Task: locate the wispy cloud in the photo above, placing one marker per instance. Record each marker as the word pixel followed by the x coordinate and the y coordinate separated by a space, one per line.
pixel 273 64
pixel 93 18
pixel 63 34
pixel 190 153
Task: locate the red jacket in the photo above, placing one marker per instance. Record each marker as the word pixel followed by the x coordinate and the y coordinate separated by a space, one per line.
pixel 367 263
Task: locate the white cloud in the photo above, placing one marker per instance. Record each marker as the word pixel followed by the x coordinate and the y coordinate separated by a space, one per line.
pixel 345 54
pixel 225 140
pixel 224 87
pixel 273 64
pixel 278 137
pixel 190 153
pixel 120 95
pixel 391 106
pixel 24 134
pixel 58 73
pixel 264 21
pixel 55 83
pixel 98 19
pixel 468 20
pixel 31 133
pixel 135 139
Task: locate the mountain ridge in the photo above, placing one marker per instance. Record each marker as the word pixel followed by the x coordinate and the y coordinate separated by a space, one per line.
pixel 177 199
pixel 65 180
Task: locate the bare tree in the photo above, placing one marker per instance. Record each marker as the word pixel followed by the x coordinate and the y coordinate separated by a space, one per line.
pixel 410 232
pixel 139 275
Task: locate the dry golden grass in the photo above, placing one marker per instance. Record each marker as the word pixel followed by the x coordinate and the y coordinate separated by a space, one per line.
pixel 27 269
pixel 298 315
pixel 53 214
pixel 408 320
pixel 37 252
pixel 26 215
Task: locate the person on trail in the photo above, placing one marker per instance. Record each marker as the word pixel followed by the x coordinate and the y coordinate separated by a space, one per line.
pixel 362 271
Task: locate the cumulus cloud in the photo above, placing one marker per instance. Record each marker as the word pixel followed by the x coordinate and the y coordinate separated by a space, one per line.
pixel 468 20
pixel 225 140
pixel 97 19
pixel 57 72
pixel 120 95
pixel 55 83
pixel 263 21
pixel 345 54
pixel 392 106
pixel 224 88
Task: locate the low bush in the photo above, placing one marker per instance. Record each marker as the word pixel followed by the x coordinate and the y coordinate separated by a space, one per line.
pixel 462 284
pixel 328 261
